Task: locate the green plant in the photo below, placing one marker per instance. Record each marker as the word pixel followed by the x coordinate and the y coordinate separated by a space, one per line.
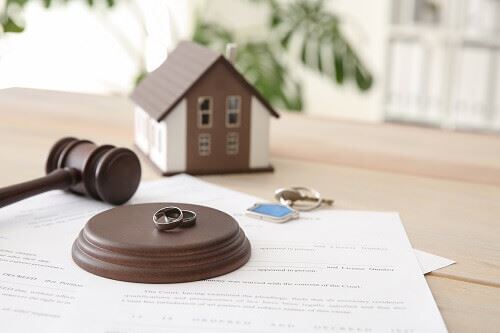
pixel 323 48
pixel 10 15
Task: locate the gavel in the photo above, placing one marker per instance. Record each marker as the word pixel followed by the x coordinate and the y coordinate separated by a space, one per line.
pixel 105 173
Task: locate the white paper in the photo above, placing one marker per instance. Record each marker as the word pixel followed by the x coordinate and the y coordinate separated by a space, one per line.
pixel 328 271
pixel 431 262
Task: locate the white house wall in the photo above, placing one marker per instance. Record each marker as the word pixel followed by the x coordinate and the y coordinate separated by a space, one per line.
pixel 176 128
pixel 158 144
pixel 141 123
pixel 151 137
pixel 259 135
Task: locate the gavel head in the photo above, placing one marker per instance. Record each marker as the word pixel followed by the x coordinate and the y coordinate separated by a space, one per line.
pixel 108 173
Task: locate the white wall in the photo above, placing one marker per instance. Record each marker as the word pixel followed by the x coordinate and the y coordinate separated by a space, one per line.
pixel 259 135
pixel 176 129
pixel 71 47
pixel 151 137
pixel 366 24
pixel 157 144
pixel 91 50
pixel 141 129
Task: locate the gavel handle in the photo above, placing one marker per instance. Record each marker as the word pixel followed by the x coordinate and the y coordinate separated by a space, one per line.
pixel 59 179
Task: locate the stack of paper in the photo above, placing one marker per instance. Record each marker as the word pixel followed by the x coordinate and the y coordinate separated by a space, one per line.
pixel 329 271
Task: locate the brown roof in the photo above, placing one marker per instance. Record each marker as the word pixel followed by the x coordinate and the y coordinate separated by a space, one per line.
pixel 165 87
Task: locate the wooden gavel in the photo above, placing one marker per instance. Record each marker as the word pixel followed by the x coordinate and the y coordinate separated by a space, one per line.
pixel 104 173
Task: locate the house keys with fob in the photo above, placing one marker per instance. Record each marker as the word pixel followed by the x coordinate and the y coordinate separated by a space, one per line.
pixel 301 198
pixel 292 200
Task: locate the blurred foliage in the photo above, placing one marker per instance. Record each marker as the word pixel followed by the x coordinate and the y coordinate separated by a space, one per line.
pixel 256 61
pixel 323 48
pixel 305 29
pixel 11 19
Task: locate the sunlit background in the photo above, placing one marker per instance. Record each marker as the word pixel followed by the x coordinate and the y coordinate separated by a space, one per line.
pixel 427 62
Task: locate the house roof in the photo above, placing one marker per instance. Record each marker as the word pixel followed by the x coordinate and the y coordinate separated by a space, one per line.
pixel 165 87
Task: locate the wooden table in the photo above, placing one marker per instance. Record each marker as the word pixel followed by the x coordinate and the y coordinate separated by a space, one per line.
pixel 445 185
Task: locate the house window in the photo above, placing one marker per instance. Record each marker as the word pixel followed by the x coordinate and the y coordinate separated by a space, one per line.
pixel 205 107
pixel 232 143
pixel 204 143
pixel 233 110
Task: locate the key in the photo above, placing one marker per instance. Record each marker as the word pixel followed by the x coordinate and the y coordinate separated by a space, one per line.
pixel 293 195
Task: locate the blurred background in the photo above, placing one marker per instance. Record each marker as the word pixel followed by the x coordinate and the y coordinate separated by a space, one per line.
pixel 427 62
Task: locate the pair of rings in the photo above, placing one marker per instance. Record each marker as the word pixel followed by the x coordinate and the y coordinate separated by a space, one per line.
pixel 171 217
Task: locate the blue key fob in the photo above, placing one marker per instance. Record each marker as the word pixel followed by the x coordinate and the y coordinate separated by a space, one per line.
pixel 272 212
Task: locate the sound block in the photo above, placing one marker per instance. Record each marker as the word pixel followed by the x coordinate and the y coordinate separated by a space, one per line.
pixel 123 244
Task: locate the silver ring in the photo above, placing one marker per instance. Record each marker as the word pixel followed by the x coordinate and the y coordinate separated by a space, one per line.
pixel 189 219
pixel 172 218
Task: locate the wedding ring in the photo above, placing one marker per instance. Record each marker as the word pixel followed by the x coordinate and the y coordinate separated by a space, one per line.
pixel 189 219
pixel 168 218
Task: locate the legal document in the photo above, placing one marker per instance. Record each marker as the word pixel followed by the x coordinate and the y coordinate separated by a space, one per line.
pixel 430 262
pixel 328 271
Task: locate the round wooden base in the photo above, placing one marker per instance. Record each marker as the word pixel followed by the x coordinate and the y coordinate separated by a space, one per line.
pixel 123 244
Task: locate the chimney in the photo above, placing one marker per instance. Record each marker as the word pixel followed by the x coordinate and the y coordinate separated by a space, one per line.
pixel 231 52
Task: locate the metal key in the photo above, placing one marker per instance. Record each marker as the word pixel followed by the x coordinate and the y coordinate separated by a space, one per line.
pixel 292 195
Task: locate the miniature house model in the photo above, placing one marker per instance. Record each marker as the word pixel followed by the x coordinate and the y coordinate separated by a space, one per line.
pixel 197 114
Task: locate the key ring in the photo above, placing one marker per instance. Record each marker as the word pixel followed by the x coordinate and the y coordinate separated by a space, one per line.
pixel 291 196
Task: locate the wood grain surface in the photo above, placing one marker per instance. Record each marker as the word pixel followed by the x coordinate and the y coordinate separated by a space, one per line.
pixel 445 185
